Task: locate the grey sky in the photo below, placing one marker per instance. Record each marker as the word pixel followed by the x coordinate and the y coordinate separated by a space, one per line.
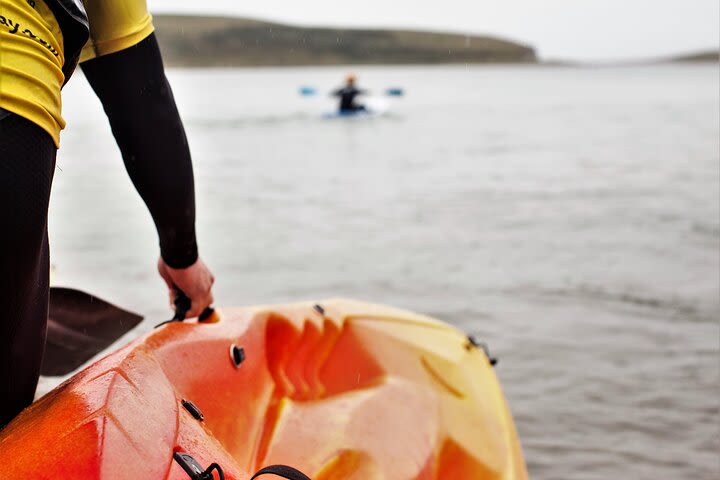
pixel 567 29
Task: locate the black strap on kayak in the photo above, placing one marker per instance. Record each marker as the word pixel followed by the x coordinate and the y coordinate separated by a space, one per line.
pixel 282 471
pixel 208 473
pixel 473 342
pixel 196 472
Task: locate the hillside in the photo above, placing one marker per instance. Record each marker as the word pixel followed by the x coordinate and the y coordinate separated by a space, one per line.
pixel 707 56
pixel 218 41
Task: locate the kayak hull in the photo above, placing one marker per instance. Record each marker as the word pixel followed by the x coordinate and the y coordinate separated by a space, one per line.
pixel 345 390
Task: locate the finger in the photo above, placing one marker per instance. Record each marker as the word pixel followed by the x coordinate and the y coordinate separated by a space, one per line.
pixel 165 271
pixel 199 305
pixel 166 277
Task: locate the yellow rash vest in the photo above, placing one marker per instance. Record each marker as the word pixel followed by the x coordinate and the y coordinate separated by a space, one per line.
pixel 38 49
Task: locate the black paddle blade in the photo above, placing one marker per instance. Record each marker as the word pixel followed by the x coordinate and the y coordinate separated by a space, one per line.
pixel 79 327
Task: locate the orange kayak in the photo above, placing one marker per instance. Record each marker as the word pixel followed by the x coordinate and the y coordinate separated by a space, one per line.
pixel 340 390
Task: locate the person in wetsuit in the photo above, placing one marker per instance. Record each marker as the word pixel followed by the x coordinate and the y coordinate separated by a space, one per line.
pixel 41 42
pixel 348 94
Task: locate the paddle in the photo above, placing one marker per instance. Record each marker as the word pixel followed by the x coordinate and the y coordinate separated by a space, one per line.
pixel 79 327
pixel 308 91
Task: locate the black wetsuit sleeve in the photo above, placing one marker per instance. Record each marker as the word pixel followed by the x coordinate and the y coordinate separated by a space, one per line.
pixel 139 103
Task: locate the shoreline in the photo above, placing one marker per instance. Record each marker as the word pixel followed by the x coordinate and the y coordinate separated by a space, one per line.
pixel 410 66
pixel 196 41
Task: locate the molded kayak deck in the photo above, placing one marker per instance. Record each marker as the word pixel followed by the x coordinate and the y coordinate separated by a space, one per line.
pixel 342 390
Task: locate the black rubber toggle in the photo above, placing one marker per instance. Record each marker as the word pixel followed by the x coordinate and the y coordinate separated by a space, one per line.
pixel 319 309
pixel 194 470
pixel 207 313
pixel 237 355
pixel 473 342
pixel 189 464
pixel 193 409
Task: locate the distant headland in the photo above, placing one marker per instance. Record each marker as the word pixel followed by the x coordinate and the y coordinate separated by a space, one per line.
pixel 200 41
pixel 706 56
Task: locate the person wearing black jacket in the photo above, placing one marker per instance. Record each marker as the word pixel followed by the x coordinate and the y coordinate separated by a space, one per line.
pixel 41 42
pixel 348 94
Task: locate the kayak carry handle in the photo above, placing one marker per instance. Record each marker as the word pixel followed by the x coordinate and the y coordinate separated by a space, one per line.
pixel 182 306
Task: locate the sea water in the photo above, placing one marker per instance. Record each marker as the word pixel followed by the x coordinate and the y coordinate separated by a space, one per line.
pixel 567 216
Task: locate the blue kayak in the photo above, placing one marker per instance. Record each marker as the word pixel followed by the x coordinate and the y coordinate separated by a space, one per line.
pixel 352 114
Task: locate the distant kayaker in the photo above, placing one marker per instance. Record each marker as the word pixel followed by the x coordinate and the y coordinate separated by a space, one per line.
pixel 348 94
pixel 42 42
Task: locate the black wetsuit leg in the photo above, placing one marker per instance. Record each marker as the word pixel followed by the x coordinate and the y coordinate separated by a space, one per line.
pixel 27 164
